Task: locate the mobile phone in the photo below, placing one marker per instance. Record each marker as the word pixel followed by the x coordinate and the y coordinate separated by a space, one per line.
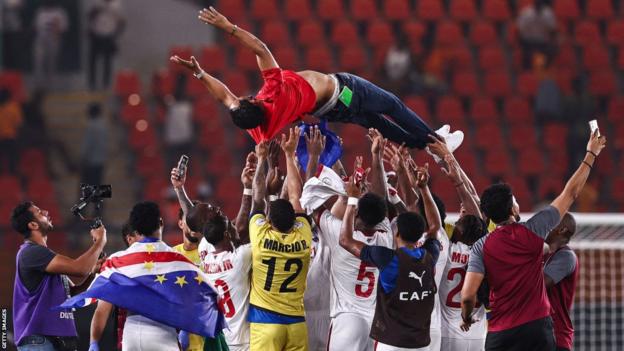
pixel 182 166
pixel 593 126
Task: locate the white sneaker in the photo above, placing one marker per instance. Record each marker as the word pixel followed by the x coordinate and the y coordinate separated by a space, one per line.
pixel 453 140
pixel 444 130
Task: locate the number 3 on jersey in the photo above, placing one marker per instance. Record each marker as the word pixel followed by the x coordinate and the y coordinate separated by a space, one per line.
pixel 367 272
pixel 225 302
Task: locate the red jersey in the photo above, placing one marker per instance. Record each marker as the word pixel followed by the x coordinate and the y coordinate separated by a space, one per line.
pixel 512 259
pixel 562 268
pixel 286 97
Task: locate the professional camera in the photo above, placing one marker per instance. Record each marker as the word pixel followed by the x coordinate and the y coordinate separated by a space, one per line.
pixel 92 194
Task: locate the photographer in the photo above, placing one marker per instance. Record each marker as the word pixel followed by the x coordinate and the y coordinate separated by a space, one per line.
pixel 42 281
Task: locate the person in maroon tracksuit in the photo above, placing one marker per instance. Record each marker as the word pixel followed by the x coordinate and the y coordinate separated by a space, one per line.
pixel 560 276
pixel 511 258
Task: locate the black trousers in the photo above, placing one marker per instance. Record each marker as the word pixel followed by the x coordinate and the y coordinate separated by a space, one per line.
pixel 535 336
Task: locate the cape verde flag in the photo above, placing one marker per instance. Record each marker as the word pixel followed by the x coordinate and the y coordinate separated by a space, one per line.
pixel 151 279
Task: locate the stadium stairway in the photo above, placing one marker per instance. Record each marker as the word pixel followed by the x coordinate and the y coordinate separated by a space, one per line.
pixel 66 121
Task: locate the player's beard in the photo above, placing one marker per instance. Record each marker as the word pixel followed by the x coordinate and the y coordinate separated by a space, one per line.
pixel 46 227
pixel 191 238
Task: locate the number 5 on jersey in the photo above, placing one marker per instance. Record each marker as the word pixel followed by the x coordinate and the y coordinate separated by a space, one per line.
pixel 366 273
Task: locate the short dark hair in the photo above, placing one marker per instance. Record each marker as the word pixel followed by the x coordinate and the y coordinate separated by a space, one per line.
pixel 439 204
pixel 372 209
pixel 199 214
pixel 497 201
pixel 282 215
pixel 21 216
pixel 247 115
pixel 411 226
pixel 215 228
pixel 145 218
pixel 472 227
pixel 126 231
pixel 181 211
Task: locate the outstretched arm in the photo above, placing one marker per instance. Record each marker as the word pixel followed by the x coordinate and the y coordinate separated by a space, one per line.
pixel 293 178
pixel 378 175
pixel 98 322
pixel 178 186
pixel 431 210
pixel 348 221
pixel 259 181
pixel 454 173
pixel 242 219
pixel 263 54
pixel 315 143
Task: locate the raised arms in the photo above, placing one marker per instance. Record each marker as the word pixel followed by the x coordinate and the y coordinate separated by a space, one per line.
pixel 378 175
pixel 293 178
pixel 242 218
pixel 348 221
pixel 215 87
pixel 259 180
pixel 431 210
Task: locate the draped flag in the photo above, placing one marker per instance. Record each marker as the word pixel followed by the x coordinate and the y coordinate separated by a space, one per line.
pixel 151 279
pixel 332 151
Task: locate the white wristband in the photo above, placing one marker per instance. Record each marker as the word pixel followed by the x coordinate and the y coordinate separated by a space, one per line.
pixel 247 192
pixel 273 198
pixel 353 201
pixel 200 74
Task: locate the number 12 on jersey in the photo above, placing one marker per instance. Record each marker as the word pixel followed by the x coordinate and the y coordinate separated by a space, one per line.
pixel 294 265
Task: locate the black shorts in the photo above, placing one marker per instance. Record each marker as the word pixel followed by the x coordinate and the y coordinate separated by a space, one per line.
pixel 535 336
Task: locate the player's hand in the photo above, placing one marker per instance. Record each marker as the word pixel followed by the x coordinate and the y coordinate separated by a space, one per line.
pixel 453 169
pixel 99 234
pixel 213 17
pixel 465 325
pixel 99 263
pixel 274 181
pixel 262 149
pixel 438 147
pixel 315 141
pixel 378 143
pixel 393 156
pixel 596 143
pixel 247 177
pixel 176 180
pixel 355 188
pixel 422 176
pixel 289 145
pixel 274 152
pixel 191 64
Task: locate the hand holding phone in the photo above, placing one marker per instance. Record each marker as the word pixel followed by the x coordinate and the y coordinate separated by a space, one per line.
pixel 593 126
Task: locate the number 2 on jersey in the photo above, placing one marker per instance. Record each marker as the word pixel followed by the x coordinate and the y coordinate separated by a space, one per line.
pixel 365 274
pixel 225 303
pixel 268 283
pixel 456 290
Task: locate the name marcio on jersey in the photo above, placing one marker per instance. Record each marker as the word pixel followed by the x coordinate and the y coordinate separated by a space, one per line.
pixel 275 245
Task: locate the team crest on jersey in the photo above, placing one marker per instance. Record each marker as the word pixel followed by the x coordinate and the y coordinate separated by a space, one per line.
pixel 260 221
pixel 298 225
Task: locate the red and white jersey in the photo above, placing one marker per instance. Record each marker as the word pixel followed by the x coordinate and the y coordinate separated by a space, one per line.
pixel 450 296
pixel 353 282
pixel 436 320
pixel 317 295
pixel 229 272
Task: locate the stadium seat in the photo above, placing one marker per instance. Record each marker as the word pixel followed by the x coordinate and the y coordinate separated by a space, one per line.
pixel 466 84
pixel 595 58
pixel 126 83
pixel 488 135
pixel 530 161
pixel 11 190
pixel 275 32
pixel 599 9
pixel 219 162
pixel 205 112
pixel 520 189
pixel 379 34
pixel 363 10
pixel 615 32
pixel 497 84
pixel 550 187
pixel 566 57
pixel 131 113
pixel 211 137
pixel 491 58
pixel 319 59
pixel 32 163
pixel 352 59
pixel 287 57
pixel 587 33
pixel 602 83
pixel 148 164
pixel 497 161
pixel 234 10
pixel 40 188
pixel 163 82
pixel 615 111
pixel 620 58
pixel 195 89
pixel 483 33
pixel 310 33
pixel 564 79
pixel 463 10
pixel 264 9
pixel 330 10
pixel 449 33
pixel 414 30
pixel 237 82
pixel 344 33
pixel 461 58
pixel 430 10
pixel 483 111
pixel 517 111
pixel 212 59
pixel 418 105
pixel 567 10
pixel 527 83
pixel 496 10
pixel 155 189
pixel 555 136
pixel 450 110
pixel 297 10
pixel 142 139
pixel 245 59
pixel 397 9
pixel 14 82
pixel 521 136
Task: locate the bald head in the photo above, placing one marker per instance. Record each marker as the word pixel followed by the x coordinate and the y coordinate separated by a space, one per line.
pixel 562 233
pixel 199 215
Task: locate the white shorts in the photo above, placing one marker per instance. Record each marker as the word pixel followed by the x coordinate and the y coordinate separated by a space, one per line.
pixel 383 347
pixel 318 329
pixel 436 339
pixel 349 331
pixel 143 334
pixel 451 344
pixel 244 347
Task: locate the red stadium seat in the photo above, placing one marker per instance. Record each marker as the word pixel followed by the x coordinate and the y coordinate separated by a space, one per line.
pixel 599 9
pixel 496 160
pixel 363 10
pixel 155 189
pixel 245 59
pixel 414 30
pixel 596 57
pixel 555 135
pixel 567 9
pixel 212 59
pixel 550 187
pixel 620 58
pixel 275 32
pixel 463 10
pixel 520 189
pixel 587 33
pixel 205 112
pixel 483 111
pixel 566 57
pixel 602 83
pixel 330 10
pixel 430 10
pixel 491 58
pixel 352 59
pixel 210 137
pixel 320 59
pixel 310 33
pixel 344 33
pixel 142 139
pixel 466 84
pixel 149 164
pixel 163 82
pixel 126 83
pixel 196 89
pixel 518 112
pixel 449 33
pixel 521 136
pixel 397 9
pixel 418 105
pixel 131 113
pixel 615 32
pixel 32 162
pixel 530 161
pixel 615 111
pixel 497 84
pixel 483 33
pixel 11 190
pixel 297 10
pixel 220 162
pixel 237 82
pixel 496 10
pixel 40 189
pixel 461 58
pixel 234 10
pixel 379 33
pixel 264 9
pixel 617 187
pixel 13 81
pixel 287 57
pixel 450 110
pixel 564 79
pixel 527 83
